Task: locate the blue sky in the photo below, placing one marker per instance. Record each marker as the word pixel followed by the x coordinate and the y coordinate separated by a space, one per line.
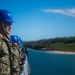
pixel 41 19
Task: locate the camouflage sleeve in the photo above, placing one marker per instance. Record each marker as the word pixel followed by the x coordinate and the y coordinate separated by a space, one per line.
pixel 20 57
pixel 4 61
pixel 1 50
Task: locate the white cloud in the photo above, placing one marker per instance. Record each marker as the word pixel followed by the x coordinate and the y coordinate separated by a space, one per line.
pixel 68 12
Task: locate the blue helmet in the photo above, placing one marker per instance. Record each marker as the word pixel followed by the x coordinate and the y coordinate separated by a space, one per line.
pixel 14 38
pixel 20 42
pixel 5 16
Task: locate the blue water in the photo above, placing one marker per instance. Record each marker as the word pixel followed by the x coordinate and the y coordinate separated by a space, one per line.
pixel 43 63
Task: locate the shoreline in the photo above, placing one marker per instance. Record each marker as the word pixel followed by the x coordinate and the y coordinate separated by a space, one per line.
pixel 55 52
pixel 60 52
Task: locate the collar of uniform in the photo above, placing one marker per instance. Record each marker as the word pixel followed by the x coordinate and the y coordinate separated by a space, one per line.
pixel 3 37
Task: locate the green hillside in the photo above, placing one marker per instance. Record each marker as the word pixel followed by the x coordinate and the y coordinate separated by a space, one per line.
pixel 60 44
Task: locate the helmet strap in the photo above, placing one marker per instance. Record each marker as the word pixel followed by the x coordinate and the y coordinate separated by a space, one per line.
pixel 3 28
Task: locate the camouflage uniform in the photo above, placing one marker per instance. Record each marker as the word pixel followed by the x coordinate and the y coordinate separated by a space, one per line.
pixel 4 57
pixel 16 60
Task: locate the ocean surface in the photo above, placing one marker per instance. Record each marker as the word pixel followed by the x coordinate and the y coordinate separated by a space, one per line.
pixel 43 63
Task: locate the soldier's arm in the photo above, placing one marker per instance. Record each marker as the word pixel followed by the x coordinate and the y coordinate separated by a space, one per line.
pixel 2 53
pixel 22 57
pixel 4 61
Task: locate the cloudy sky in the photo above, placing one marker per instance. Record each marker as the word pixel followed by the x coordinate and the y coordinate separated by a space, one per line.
pixel 41 19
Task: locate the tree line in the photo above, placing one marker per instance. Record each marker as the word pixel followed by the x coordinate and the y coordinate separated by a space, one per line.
pixel 63 44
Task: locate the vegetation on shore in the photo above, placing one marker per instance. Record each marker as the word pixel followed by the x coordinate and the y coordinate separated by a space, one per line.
pixel 60 44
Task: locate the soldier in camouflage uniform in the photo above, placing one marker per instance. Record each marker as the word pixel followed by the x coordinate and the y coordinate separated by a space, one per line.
pixel 25 67
pixel 17 57
pixel 5 49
